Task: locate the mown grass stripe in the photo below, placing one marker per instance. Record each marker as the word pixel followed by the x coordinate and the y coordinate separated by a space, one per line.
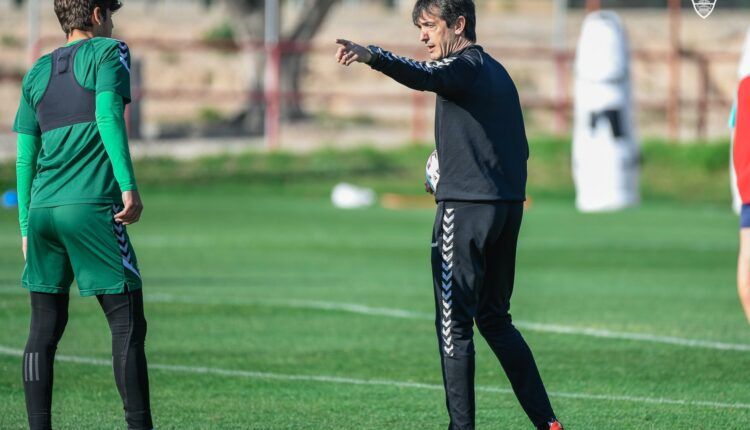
pixel 379 382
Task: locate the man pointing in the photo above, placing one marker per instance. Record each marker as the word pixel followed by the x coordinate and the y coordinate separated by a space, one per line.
pixel 482 150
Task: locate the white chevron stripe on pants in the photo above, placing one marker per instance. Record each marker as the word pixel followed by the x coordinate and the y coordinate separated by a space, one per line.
pixel 446 309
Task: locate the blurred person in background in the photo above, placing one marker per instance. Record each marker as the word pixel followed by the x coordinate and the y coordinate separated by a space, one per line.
pixel 77 191
pixel 482 151
pixel 741 164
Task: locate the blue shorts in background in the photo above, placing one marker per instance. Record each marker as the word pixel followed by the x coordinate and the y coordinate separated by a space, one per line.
pixel 745 216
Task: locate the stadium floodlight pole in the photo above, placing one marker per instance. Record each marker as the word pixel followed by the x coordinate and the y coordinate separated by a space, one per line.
pixel 673 108
pixel 560 44
pixel 32 49
pixel 272 73
pixel 561 18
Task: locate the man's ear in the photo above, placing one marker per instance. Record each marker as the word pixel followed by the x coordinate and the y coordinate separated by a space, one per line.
pixel 460 25
pixel 98 17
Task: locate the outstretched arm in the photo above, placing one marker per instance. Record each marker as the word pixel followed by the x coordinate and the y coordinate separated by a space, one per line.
pixel 448 77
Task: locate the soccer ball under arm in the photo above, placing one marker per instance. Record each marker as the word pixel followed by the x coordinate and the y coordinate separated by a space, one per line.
pixel 432 171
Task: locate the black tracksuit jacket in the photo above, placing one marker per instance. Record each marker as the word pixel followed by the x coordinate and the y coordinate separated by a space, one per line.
pixel 479 128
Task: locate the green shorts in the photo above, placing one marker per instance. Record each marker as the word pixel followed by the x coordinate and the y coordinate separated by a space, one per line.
pixel 80 241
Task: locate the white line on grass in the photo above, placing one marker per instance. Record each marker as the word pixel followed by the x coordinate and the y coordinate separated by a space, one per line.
pixel 379 382
pixel 407 314
pixel 529 244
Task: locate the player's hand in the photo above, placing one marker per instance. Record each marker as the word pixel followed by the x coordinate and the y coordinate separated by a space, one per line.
pixel 427 187
pixel 349 52
pixel 131 213
pixel 24 246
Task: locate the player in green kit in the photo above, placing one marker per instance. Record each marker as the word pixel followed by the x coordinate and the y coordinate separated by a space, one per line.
pixel 77 192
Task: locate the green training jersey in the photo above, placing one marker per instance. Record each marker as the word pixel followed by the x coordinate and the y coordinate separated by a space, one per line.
pixel 73 165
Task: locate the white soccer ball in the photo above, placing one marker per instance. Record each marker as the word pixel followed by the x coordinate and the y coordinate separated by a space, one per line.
pixel 432 171
pixel 348 196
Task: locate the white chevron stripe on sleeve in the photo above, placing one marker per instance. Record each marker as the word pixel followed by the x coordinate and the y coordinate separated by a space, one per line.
pixel 124 55
pixel 422 65
pixel 125 63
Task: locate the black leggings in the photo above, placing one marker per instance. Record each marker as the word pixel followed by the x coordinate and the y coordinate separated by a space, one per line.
pixel 49 315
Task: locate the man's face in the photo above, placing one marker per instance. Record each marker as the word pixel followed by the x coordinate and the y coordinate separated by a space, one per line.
pixel 435 34
pixel 105 25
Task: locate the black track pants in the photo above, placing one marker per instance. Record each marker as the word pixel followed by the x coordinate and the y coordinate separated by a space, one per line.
pixel 49 315
pixel 128 326
pixel 473 269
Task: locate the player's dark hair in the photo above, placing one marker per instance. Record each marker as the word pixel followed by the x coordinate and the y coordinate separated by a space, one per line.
pixel 76 14
pixel 449 11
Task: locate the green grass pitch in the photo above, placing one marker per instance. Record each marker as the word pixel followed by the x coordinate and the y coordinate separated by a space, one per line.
pixel 270 309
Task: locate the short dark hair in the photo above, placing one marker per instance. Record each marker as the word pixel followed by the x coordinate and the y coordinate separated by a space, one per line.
pixel 76 14
pixel 450 10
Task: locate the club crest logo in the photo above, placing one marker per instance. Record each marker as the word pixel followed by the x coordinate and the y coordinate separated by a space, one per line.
pixel 704 7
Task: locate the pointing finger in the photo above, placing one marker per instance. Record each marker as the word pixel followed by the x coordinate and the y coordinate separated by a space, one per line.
pixel 340 53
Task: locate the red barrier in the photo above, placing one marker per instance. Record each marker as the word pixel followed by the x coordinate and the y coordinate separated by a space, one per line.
pixel 560 102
